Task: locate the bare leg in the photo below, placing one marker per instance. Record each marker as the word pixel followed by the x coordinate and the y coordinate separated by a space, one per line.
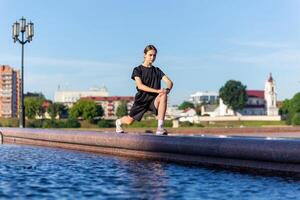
pixel 127 120
pixel 161 104
pixel 124 120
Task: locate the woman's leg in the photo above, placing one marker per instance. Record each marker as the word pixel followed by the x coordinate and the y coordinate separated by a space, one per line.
pixel 127 120
pixel 161 105
pixel 124 120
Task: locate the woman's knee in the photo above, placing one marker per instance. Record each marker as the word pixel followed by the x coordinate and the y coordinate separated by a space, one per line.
pixel 164 97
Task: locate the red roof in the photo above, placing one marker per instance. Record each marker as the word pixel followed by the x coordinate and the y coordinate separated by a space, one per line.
pixel 256 93
pixel 46 104
pixel 186 110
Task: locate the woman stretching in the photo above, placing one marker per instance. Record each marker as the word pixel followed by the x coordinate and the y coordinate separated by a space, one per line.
pixel 150 96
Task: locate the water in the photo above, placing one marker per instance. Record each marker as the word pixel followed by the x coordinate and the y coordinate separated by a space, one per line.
pixel 28 172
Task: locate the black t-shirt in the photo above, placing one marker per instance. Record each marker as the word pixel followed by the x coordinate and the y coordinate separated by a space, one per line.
pixel 151 77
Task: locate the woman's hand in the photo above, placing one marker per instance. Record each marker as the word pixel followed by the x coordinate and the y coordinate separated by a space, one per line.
pixel 162 91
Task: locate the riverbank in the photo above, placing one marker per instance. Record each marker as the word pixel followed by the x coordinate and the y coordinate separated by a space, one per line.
pixel 280 131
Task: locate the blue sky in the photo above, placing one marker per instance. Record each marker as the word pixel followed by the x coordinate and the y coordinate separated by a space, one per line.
pixel 201 43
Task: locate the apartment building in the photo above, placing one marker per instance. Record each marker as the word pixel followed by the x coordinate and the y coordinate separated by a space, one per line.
pixel 9 91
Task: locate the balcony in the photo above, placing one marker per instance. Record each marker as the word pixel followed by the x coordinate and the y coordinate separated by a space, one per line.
pixel 7 95
pixel 6 100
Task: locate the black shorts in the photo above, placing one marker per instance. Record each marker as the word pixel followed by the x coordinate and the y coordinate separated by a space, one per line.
pixel 138 110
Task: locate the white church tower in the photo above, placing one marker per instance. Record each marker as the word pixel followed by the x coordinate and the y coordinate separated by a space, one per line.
pixel 270 97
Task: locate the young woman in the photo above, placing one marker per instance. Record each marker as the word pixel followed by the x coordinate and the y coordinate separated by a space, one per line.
pixel 150 96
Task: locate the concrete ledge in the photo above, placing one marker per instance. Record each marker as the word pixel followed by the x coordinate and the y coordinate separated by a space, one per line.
pixel 268 154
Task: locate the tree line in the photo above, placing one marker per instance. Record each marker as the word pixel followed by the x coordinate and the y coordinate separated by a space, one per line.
pixel 36 106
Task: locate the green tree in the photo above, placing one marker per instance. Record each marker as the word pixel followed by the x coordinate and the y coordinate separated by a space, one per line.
pixel 296 119
pixel 35 94
pixel 62 110
pixel 55 109
pixel 293 107
pixel 87 110
pixel 33 106
pixel 284 109
pixel 234 95
pixel 122 110
pixel 185 105
pixel 76 110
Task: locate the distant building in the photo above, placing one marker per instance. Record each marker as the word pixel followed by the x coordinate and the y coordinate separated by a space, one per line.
pixel 271 97
pixel 173 113
pixel 208 110
pixel 260 102
pixel 204 97
pixel 68 98
pixel 188 115
pixel 111 103
pixel 9 91
pixel 255 105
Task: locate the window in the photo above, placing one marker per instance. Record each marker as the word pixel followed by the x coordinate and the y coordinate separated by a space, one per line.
pixel 204 98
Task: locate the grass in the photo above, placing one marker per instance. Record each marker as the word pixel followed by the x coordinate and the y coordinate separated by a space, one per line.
pixel 86 124
pixel 9 122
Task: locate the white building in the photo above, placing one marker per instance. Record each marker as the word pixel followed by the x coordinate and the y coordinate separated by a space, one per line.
pixel 204 97
pixel 70 97
pixel 209 110
pixel 188 115
pixel 271 97
pixel 260 102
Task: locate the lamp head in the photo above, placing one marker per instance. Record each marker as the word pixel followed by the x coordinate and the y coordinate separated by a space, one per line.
pixel 15 31
pixel 23 24
pixel 29 31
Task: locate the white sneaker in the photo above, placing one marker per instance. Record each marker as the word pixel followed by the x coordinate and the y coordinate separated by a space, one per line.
pixel 119 126
pixel 161 131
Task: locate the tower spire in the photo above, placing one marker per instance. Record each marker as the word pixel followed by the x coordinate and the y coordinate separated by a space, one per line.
pixel 270 78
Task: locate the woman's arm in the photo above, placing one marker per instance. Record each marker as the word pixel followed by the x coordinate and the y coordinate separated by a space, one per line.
pixel 143 87
pixel 168 82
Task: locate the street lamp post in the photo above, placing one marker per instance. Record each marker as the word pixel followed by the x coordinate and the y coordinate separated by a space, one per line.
pixel 17 28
